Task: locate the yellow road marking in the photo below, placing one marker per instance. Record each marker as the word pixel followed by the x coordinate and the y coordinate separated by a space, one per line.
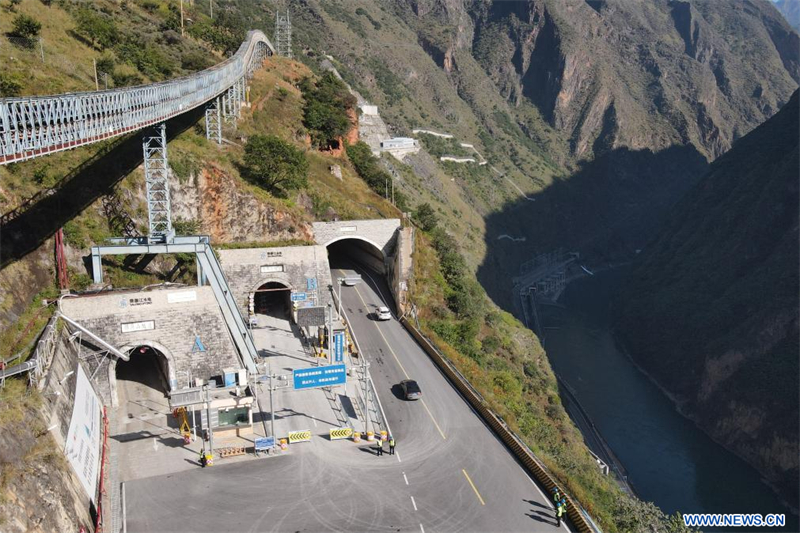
pixel 478 494
pixel 388 345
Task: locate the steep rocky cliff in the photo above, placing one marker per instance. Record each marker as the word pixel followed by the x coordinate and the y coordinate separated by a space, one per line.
pixel 611 73
pixel 711 308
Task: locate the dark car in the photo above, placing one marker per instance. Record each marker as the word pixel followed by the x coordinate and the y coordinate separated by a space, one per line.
pixel 411 390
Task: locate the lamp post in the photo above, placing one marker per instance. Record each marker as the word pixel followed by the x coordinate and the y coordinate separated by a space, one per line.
pixel 341 282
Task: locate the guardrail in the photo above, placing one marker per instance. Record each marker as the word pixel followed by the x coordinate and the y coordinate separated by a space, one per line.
pixel 575 513
pixel 39 125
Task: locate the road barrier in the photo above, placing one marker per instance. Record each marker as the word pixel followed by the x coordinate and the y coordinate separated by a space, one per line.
pixel 340 433
pixel 525 456
pixel 299 436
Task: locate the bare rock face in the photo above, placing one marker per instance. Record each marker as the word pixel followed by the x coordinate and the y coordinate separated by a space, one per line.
pixel 228 213
pixel 615 73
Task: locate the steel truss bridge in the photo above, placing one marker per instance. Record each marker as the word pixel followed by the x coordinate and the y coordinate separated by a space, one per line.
pixel 39 125
pixel 35 126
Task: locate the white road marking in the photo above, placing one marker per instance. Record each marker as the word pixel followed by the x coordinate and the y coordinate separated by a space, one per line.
pixel 404 477
pixel 413 503
pixel 398 457
pixel 421 528
pixel 315 422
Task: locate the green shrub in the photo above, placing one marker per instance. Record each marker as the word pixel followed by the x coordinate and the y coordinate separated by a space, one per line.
pixel 426 217
pixel 98 29
pixel 368 168
pixel 325 114
pixel 274 164
pixel 9 85
pixel 25 27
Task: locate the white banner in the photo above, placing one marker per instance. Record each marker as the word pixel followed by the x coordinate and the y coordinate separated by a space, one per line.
pixel 85 431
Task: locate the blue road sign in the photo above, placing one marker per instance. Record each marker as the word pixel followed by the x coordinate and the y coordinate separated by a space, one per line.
pixel 264 443
pixel 338 347
pixel 319 376
pixel 299 296
pixel 311 284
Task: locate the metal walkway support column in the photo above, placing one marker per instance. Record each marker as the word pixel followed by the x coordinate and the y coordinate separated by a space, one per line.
pixel 283 35
pixel 156 172
pixel 214 120
pixel 229 106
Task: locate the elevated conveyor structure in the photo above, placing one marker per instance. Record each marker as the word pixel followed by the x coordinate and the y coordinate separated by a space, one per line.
pixel 34 126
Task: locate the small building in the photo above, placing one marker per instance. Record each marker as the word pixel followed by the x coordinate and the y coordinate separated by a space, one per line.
pixel 399 143
pixel 369 109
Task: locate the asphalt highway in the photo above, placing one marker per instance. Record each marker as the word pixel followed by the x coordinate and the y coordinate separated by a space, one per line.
pixel 464 477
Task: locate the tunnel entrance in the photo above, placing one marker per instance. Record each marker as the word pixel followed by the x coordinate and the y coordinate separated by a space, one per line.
pixel 344 253
pixel 141 388
pixel 147 368
pixel 273 299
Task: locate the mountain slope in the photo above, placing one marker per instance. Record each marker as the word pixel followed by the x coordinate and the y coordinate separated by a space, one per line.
pixel 711 308
pixel 790 9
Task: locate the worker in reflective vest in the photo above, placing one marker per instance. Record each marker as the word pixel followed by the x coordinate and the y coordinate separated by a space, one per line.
pixel 561 511
pixel 380 447
pixel 391 445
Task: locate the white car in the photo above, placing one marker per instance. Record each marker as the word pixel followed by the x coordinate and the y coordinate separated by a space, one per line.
pixel 383 313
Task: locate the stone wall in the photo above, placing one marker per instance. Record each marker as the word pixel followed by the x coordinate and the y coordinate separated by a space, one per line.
pixel 401 268
pixel 379 232
pixel 247 269
pixel 168 320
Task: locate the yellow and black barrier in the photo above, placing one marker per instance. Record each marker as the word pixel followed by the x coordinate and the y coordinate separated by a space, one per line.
pixel 341 433
pixel 510 440
pixel 299 436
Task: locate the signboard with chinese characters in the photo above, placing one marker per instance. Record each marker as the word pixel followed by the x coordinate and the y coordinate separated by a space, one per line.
pixel 138 326
pixel 82 447
pixel 319 376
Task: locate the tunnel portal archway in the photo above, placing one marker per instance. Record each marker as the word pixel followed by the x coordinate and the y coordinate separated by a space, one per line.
pixel 343 252
pixel 147 376
pixel 273 298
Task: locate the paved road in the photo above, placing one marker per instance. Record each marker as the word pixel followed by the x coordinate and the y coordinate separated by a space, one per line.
pixel 465 479
pixel 449 474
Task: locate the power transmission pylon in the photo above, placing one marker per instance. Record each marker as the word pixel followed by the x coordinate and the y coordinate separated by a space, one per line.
pixel 283 34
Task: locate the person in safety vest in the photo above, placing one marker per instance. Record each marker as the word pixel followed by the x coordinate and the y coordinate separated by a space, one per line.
pixel 380 447
pixel 391 445
pixel 561 509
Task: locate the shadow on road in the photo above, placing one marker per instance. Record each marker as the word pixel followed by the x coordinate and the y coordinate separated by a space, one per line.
pixel 24 230
pixel 537 504
pixel 540 519
pixel 397 390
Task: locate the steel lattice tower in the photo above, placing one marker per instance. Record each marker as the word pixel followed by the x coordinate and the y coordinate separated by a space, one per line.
pixel 283 35
pixel 155 174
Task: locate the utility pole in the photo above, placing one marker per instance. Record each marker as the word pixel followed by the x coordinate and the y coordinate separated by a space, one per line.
pixel 211 8
pixel 208 417
pixel 96 82
pixel 341 281
pixel 366 392
pixel 181 18
pixel 271 404
pixel 330 334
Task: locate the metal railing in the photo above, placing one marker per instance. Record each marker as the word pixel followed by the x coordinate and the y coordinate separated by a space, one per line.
pixel 38 125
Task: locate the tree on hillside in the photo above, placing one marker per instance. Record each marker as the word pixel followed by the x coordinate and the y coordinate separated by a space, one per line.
pixel 95 28
pixel 25 27
pixel 325 114
pixel 274 164
pixel 426 217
